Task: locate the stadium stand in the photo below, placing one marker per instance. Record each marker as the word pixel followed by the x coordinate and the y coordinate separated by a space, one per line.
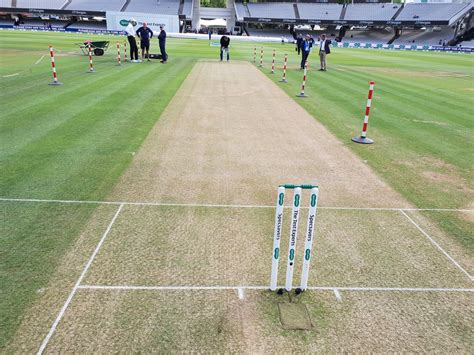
pixel 241 11
pixel 425 37
pixel 272 10
pixel 371 12
pixel 40 4
pixel 188 9
pixel 431 12
pixel 88 25
pixel 92 5
pixel 169 7
pixel 320 11
pixel 368 36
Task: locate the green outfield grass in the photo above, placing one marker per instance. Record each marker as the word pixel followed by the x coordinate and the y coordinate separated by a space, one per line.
pixel 75 141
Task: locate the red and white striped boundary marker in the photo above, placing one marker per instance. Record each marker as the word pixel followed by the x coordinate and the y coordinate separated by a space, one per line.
pixel 125 51
pixel 254 54
pixel 261 57
pixel 53 64
pixel 118 54
pixel 273 62
pixel 91 66
pixel 363 137
pixel 302 94
pixel 284 69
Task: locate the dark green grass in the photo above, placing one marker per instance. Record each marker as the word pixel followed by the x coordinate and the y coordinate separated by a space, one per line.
pixel 75 141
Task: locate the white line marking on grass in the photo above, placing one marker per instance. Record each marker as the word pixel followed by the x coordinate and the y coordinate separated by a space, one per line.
pixel 437 246
pixel 237 288
pixel 241 292
pixel 10 75
pixel 337 294
pixel 164 204
pixel 76 286
pixel 39 60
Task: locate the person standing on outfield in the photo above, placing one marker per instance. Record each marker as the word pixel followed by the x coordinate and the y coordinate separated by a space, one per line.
pixel 162 43
pixel 306 49
pixel 225 41
pixel 145 35
pixel 323 51
pixel 132 41
pixel 299 41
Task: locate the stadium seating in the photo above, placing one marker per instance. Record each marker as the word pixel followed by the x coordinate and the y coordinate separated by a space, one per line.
pixel 88 25
pixel 40 4
pixel 188 8
pixel 166 7
pixel 430 12
pixel 320 11
pixel 93 5
pixel 272 10
pixel 371 12
pixel 241 11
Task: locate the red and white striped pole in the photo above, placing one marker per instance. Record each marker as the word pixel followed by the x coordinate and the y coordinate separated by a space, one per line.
pixel 261 57
pixel 91 66
pixel 302 94
pixel 53 64
pixel 125 51
pixel 284 69
pixel 254 54
pixel 273 62
pixel 118 54
pixel 363 137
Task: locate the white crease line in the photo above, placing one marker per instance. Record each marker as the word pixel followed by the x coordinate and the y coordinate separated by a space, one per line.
pixel 241 293
pixel 76 286
pixel 437 246
pixel 237 288
pixel 337 294
pixel 171 288
pixel 39 60
pixel 6 199
pixel 10 75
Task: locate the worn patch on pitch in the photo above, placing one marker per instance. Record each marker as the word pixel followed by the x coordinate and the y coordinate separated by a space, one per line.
pixel 294 316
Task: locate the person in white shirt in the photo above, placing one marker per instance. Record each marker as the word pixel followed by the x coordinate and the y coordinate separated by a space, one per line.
pixel 130 30
pixel 324 50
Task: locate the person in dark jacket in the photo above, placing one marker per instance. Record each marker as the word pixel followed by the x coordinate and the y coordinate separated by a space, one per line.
pixel 162 43
pixel 324 49
pixel 225 41
pixel 145 35
pixel 306 46
pixel 299 41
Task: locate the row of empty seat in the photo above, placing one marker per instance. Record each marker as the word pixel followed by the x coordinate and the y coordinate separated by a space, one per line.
pixel 353 12
pixel 40 4
pixel 93 5
pixel 320 11
pixel 379 12
pixel 276 10
pixel 166 7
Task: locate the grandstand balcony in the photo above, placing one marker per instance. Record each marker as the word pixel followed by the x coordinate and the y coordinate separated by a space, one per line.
pixel 165 7
pixel 92 5
pixel 433 12
pixel 38 4
pixel 371 12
